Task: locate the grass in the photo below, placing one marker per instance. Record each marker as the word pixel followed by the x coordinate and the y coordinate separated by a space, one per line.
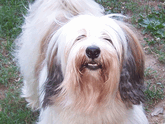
pixel 11 18
pixel 120 6
pixel 13 109
pixel 154 24
pixel 154 93
pixel 143 16
pixel 154 87
pixel 150 73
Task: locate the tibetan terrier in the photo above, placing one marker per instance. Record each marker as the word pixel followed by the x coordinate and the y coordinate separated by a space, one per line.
pixel 79 65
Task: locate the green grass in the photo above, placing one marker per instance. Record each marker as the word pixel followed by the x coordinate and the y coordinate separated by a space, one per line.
pixel 120 6
pixel 149 73
pixel 11 12
pixel 154 88
pixel 13 109
pixel 154 24
pixel 154 93
pixel 7 67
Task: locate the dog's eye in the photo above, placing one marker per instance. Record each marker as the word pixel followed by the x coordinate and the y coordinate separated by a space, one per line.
pixel 109 40
pixel 80 37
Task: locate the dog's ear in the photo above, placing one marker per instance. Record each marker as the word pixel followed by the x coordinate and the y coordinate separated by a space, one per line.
pixel 131 84
pixel 54 79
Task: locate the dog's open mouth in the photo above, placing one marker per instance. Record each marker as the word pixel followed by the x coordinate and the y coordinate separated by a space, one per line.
pixel 92 65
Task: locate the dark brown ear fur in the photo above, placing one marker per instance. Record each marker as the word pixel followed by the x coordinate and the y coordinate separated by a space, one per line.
pixel 54 79
pixel 131 84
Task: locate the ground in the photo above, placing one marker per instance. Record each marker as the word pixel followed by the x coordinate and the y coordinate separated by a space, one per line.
pixel 152 62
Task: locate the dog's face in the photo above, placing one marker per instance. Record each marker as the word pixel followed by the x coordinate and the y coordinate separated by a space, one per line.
pixel 94 61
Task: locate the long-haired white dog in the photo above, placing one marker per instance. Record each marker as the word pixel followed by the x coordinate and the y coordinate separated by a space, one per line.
pixel 80 66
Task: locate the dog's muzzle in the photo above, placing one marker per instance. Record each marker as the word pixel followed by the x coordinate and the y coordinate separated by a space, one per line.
pixel 92 53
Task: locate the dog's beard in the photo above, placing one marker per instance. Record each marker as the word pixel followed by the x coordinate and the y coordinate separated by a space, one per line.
pixel 89 83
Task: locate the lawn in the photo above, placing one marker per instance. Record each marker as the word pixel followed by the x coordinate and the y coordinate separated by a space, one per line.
pixel 13 109
pixel 146 15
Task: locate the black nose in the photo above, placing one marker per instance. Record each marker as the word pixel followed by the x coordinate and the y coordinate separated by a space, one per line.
pixel 93 52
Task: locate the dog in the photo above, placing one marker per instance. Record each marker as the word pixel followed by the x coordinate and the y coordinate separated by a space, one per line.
pixel 80 66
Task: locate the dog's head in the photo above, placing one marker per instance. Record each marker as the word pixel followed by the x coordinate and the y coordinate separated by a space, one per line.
pixel 93 61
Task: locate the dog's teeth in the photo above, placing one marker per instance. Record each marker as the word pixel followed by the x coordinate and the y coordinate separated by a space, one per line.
pixel 92 64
